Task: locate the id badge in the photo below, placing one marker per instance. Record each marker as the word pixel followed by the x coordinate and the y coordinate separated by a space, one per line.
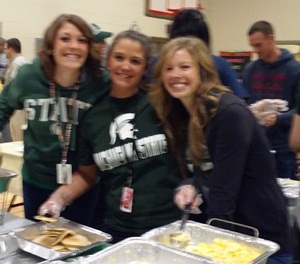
pixel 63 173
pixel 126 200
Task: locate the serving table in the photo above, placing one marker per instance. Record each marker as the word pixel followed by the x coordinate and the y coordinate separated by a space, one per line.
pixel 291 190
pixel 12 159
pixel 12 222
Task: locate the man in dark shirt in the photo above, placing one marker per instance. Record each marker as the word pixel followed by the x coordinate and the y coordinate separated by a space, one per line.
pixel 274 75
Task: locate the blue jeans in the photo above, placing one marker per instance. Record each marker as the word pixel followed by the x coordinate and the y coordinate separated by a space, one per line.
pixel 286 164
pixel 280 259
pixel 80 211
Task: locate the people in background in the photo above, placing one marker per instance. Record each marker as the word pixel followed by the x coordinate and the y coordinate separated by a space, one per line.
pixel 127 144
pixel 13 49
pixel 3 60
pixel 294 142
pixel 198 111
pixel 99 45
pixel 98 51
pixel 294 136
pixel 55 91
pixel 274 75
pixel 297 231
pixel 191 22
pixel 5 133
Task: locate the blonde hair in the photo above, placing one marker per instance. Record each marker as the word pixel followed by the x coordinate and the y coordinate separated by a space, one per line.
pixel 181 127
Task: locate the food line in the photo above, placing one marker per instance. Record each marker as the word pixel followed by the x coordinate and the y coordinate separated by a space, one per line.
pixel 13 223
pixel 152 247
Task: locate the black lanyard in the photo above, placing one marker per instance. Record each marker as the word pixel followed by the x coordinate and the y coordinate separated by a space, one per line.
pixel 64 136
pixel 129 160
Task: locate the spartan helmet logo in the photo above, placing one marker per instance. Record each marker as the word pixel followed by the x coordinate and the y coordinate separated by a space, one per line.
pixel 122 127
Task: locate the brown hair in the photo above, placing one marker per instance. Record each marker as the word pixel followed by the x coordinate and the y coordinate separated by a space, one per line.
pixel 15 44
pixel 139 37
pixel 261 26
pixel 181 127
pixel 45 54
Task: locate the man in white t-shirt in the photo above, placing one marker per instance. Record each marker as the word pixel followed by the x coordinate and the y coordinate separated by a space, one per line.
pixel 12 49
pixel 3 60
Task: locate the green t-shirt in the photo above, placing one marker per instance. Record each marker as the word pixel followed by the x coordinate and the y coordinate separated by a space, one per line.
pixel 42 149
pixel 114 129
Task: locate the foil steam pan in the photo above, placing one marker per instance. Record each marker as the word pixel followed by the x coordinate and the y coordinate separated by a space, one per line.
pixel 290 189
pixel 26 235
pixel 5 177
pixel 7 174
pixel 206 233
pixel 10 253
pixel 136 250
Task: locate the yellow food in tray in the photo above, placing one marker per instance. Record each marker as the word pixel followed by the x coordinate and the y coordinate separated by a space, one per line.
pixel 180 237
pixel 226 251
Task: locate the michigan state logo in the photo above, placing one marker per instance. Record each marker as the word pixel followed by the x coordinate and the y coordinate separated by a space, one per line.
pixel 122 128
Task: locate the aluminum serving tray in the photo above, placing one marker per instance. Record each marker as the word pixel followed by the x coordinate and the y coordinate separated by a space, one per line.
pixel 10 253
pixel 207 233
pixel 136 250
pixel 5 177
pixel 25 236
pixel 7 174
pixel 290 189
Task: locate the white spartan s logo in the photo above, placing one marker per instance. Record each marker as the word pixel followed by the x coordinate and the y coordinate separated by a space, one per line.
pixel 122 127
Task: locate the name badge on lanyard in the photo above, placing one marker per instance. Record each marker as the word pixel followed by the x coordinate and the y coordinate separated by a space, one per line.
pixel 126 200
pixel 64 170
pixel 64 173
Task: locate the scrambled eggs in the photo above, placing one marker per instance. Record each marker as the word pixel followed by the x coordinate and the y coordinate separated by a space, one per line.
pixel 227 251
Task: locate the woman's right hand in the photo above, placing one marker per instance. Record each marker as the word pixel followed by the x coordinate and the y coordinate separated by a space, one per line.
pixel 187 194
pixel 52 207
pixel 82 180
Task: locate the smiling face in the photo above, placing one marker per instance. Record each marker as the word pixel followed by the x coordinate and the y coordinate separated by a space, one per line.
pixel 126 64
pixel 70 48
pixel 181 76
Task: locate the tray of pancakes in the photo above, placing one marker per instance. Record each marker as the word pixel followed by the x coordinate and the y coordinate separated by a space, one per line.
pixel 60 239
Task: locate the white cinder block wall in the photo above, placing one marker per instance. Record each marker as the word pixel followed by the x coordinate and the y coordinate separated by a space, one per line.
pixel 229 20
pixel 27 19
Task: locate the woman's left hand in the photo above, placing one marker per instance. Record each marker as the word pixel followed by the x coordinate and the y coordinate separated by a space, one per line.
pixel 187 194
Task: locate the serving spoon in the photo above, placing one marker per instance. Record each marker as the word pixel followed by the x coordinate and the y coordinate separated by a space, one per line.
pixel 180 239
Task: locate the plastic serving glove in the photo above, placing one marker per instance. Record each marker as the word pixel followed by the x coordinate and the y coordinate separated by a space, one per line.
pixel 53 206
pixel 265 111
pixel 186 194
